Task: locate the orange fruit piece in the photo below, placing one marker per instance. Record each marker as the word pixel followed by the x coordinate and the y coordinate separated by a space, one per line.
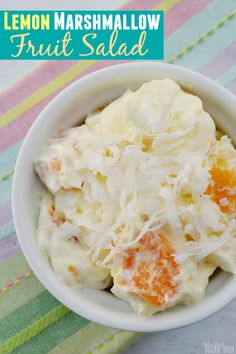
pixel 222 188
pixel 57 218
pixel 72 269
pixel 152 269
pixel 55 165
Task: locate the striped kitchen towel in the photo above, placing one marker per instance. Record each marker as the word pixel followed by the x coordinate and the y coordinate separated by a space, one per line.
pixel 199 35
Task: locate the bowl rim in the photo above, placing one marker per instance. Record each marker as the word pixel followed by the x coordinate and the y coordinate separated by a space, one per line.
pixel 222 298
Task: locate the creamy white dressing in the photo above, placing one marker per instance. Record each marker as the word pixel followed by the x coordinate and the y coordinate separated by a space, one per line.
pixel 142 164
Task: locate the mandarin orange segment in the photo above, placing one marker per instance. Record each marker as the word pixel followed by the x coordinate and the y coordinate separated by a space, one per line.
pixel 222 188
pixel 128 261
pixel 56 217
pixel 101 107
pixel 55 165
pixel 51 210
pixel 153 269
pixel 188 237
pixel 72 269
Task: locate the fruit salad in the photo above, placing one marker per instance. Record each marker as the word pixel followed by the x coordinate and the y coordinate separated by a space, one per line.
pixel 140 199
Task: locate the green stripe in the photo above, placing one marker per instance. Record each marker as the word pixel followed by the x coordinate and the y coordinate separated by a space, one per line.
pixel 209 48
pixel 56 84
pixel 44 92
pixel 197 25
pixel 5 190
pixel 173 45
pixel 223 75
pixel 228 76
pixel 7 229
pixel 12 267
pixel 203 37
pixel 116 345
pixel 54 335
pixel 32 311
pixel 31 331
pixel 8 157
pixel 19 295
pixel 7 162
pixel 86 338
pixel 47 339
pixel 191 60
pixel 7 175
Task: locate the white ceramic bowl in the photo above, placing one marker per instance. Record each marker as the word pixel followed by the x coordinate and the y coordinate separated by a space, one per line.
pixel 66 110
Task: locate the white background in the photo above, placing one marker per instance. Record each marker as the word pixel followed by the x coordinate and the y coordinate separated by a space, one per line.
pixel 220 328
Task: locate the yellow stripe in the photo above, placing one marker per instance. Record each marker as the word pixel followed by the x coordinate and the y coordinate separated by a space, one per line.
pixel 44 92
pixel 205 35
pixel 167 5
pixel 59 82
pixel 37 327
pixel 6 176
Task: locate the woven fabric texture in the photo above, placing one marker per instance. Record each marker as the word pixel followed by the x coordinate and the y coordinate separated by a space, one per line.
pixel 199 35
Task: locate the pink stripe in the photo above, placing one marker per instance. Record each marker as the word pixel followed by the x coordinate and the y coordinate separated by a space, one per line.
pixel 221 63
pixel 182 12
pixel 5 213
pixel 20 277
pixel 48 71
pixel 12 132
pixel 141 4
pixel 32 82
pixel 15 131
pixel 8 285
